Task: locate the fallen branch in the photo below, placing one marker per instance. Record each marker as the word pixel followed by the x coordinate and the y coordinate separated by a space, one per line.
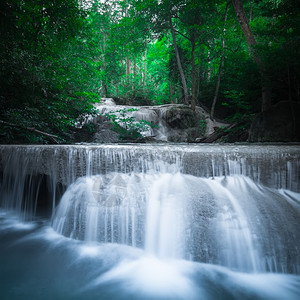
pixel 52 136
pixel 220 132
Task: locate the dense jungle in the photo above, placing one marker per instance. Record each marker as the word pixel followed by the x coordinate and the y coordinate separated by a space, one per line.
pixel 239 60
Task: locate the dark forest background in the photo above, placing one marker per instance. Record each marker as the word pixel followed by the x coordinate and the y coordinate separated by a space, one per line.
pixel 59 57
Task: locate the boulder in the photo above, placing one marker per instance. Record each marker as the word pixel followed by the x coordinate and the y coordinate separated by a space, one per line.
pixel 98 132
pixel 180 117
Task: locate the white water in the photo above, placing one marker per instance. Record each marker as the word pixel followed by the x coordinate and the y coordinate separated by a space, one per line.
pixel 150 222
pixel 38 263
pixel 222 220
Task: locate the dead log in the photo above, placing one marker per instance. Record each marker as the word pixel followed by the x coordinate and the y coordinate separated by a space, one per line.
pixel 218 133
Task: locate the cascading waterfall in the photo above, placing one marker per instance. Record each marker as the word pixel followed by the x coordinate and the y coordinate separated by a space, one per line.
pixel 175 215
pixel 188 209
pixel 165 217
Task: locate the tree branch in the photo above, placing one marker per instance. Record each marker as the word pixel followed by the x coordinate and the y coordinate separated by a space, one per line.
pixel 185 36
pixel 52 136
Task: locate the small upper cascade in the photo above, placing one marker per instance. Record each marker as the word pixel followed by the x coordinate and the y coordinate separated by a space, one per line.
pixel 107 106
pixel 169 122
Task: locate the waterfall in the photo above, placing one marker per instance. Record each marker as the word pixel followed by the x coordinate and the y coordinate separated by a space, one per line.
pixel 172 122
pixel 232 207
pixel 273 166
pixel 221 220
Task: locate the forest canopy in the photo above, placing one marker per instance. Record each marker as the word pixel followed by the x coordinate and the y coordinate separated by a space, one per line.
pixel 60 57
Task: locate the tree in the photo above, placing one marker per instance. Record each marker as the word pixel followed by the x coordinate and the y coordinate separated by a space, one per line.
pixel 265 80
pixel 161 15
pixel 58 58
pixel 41 57
pixel 212 111
pixel 178 59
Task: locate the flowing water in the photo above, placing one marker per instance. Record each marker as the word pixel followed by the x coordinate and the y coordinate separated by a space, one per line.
pixel 150 222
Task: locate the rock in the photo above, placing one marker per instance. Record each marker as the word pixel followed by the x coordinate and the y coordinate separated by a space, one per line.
pixel 108 101
pixel 281 123
pixel 238 135
pixel 104 134
pixel 98 132
pixel 180 117
pixel 199 139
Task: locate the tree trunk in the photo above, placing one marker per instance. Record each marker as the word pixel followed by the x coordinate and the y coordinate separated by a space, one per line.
pixel 193 103
pixel 212 111
pixel 171 90
pixel 265 80
pixel 183 81
pixel 198 75
pixel 104 91
pixel 250 13
pixel 123 68
pixel 141 70
pixel 127 66
pixel 134 67
pixel 122 64
pixel 209 63
pixel 145 69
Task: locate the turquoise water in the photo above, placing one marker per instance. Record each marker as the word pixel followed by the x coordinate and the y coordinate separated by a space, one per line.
pixel 150 222
pixel 38 263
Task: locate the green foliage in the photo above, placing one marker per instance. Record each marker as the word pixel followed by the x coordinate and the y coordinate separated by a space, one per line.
pixel 46 78
pixel 57 59
pixel 126 125
pixel 202 126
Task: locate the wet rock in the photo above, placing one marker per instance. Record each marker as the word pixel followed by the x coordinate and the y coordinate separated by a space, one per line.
pixel 104 134
pixel 180 117
pixel 98 132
